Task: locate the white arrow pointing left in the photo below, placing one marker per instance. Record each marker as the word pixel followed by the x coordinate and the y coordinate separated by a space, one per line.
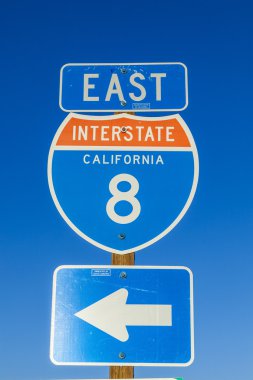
pixel 111 314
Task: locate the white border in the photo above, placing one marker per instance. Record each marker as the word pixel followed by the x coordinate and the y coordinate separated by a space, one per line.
pixel 126 64
pixel 117 363
pixel 134 117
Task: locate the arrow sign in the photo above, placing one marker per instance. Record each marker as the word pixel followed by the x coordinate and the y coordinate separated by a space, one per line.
pixel 111 314
pixel 99 312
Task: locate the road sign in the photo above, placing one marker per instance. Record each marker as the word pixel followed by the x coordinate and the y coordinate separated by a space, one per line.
pixel 122 315
pixel 122 182
pixel 111 87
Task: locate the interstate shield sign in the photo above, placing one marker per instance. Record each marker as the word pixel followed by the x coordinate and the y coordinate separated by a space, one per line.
pixel 122 182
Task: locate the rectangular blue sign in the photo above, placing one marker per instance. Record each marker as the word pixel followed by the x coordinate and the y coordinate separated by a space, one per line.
pixel 126 87
pixel 107 315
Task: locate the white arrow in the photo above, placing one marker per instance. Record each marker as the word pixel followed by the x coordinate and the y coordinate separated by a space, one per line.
pixel 111 314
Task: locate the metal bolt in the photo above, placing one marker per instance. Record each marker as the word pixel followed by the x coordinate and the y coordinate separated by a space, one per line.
pixel 123 275
pixel 122 236
pixel 123 103
pixel 123 129
pixel 122 355
pixel 123 70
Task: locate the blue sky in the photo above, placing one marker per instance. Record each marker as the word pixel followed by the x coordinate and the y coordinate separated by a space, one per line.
pixel 214 238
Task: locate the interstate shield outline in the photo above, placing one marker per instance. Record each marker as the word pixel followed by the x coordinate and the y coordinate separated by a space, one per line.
pixel 87 159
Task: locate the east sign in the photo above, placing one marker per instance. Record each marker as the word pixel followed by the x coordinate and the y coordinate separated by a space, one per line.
pixel 140 87
pixel 122 182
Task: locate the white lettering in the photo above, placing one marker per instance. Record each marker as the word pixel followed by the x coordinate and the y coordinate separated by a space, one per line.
pixel 126 159
pixel 159 129
pixel 158 78
pixel 129 134
pixel 86 159
pixel 96 159
pixel 94 131
pixel 82 132
pixel 88 86
pixel 117 158
pixel 116 133
pixel 74 133
pixel 169 133
pixel 104 132
pixel 114 88
pixel 149 134
pixel 159 160
pixel 137 85
pixel 136 158
pixel 139 128
pixel 104 160
pixel 145 160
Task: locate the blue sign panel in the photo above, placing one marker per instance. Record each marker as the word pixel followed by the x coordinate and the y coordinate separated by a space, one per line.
pixel 122 316
pixel 139 87
pixel 122 182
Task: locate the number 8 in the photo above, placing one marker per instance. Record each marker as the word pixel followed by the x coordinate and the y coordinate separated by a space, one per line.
pixel 128 196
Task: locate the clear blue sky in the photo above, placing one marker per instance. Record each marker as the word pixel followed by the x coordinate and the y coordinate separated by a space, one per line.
pixel 214 239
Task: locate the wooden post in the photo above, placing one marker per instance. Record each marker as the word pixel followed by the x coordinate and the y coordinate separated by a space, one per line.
pixel 122 372
pixel 127 259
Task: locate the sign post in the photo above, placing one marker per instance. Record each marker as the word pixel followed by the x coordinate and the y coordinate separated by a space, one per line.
pixel 122 182
pixel 120 372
